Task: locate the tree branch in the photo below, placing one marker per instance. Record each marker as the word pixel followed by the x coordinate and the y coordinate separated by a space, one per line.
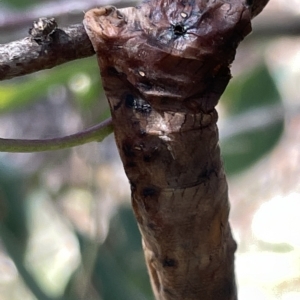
pixel 27 55
pixel 96 133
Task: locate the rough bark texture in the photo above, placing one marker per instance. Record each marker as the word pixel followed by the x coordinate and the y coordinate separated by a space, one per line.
pixel 29 55
pixel 164 66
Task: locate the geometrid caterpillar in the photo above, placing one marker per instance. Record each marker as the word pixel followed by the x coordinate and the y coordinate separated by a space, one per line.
pixel 164 66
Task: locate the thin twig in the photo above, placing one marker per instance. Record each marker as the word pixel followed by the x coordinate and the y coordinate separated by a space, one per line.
pixel 27 56
pixel 95 133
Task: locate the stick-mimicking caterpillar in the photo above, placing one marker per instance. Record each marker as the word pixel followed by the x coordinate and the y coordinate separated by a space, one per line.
pixel 164 66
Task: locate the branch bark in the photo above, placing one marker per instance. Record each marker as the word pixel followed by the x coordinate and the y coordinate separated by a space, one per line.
pixel 28 55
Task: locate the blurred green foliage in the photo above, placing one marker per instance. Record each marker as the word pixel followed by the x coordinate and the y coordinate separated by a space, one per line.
pixel 20 92
pixel 12 205
pixel 20 3
pixel 119 270
pixel 13 223
pixel 119 267
pixel 252 92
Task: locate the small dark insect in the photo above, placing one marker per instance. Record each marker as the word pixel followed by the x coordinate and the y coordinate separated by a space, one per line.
pixel 137 104
pixel 179 29
pixel 42 29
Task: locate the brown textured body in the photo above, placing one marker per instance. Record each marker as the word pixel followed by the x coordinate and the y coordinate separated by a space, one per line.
pixel 164 66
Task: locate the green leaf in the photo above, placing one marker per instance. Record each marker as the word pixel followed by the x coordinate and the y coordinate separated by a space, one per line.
pixel 12 203
pixel 13 224
pixel 20 3
pixel 119 268
pixel 254 111
pixel 250 91
pixel 21 92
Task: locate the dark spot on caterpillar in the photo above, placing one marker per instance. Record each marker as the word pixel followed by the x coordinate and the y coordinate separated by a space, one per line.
pixel 111 71
pixel 151 226
pixel 128 149
pixel 145 86
pixel 149 192
pixel 143 107
pixel 227 289
pixel 168 291
pixel 119 15
pixel 136 123
pixel 148 197
pixel 132 186
pixel 137 104
pixel 151 154
pixel 206 174
pixel 179 29
pixel 147 158
pixel 137 25
pixel 249 2
pixel 143 132
pixel 116 107
pixel 169 262
pixel 129 100
pixel 192 105
pixel 130 164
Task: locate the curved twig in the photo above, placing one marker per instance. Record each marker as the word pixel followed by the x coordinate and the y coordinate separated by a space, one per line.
pixel 93 134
